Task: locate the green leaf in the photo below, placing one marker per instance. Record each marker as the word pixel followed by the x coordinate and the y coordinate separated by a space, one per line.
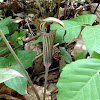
pixel 4 62
pixel 15 36
pixel 38 40
pixel 6 74
pixel 91 38
pixel 3 26
pixel 5 21
pixel 4 31
pixel 80 80
pixel 26 57
pixel 12 27
pixel 61 69
pixel 18 84
pixel 22 33
pixel 95 55
pixel 65 55
pixel 20 42
pixel 73 29
pixel 80 2
pixel 85 19
pixel 81 55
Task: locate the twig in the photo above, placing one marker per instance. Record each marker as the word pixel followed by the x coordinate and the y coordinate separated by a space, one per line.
pixel 81 9
pixel 96 8
pixel 49 70
pixel 29 26
pixel 17 59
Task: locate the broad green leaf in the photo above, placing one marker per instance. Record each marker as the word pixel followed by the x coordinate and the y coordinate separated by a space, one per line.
pixel 72 28
pixel 38 40
pixel 26 58
pixel 4 30
pixel 95 55
pixel 65 55
pixel 81 55
pixel 18 84
pixel 80 80
pixel 12 27
pixel 6 74
pixel 4 62
pixel 4 22
pixel 85 19
pixel 91 38
pixel 3 26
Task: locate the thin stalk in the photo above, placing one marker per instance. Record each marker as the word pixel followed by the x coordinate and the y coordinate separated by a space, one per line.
pixel 17 59
pixel 46 77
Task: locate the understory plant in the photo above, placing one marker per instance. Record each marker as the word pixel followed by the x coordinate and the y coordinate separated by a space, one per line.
pixel 15 64
pixel 79 80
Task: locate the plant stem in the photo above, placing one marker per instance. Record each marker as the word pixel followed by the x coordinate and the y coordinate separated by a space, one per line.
pixel 17 59
pixel 46 77
pixel 48 41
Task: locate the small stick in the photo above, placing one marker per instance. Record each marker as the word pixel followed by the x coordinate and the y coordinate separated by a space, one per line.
pixel 17 59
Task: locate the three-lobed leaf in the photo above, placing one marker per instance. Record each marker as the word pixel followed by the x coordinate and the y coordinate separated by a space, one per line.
pixel 91 38
pixel 73 29
pixel 85 19
pixel 80 80
pixel 26 58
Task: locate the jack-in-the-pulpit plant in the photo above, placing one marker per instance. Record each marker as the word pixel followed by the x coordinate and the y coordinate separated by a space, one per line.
pixel 48 41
